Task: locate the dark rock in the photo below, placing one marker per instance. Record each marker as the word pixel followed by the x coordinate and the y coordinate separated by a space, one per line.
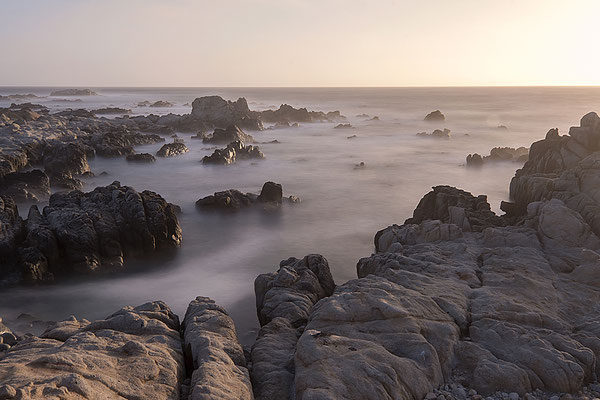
pixel 73 92
pixel 111 110
pixel 222 113
pixel 31 186
pixel 271 192
pixel 231 134
pixel 287 113
pixel 172 150
pixel 161 103
pixel 435 116
pixel 499 154
pixel 231 199
pixel 436 134
pixel 142 157
pixel 344 126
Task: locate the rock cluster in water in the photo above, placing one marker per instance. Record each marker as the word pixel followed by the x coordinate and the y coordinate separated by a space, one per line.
pixel 84 232
pixel 437 134
pixel 435 116
pixel 519 155
pixel 271 195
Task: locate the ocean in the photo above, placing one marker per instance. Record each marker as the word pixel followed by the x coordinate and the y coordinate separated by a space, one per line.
pixel 342 206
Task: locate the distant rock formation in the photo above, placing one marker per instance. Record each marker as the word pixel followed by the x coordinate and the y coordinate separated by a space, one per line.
pixel 231 134
pixel 73 92
pixel 435 116
pixel 519 155
pixel 233 152
pixel 271 196
pixel 436 134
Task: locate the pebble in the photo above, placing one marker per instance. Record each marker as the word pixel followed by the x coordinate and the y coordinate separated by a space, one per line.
pixel 430 396
pixel 459 393
pixel 554 398
pixel 513 396
pixel 472 392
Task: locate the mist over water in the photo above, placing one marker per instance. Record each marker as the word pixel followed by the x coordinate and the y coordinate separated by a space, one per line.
pixel 342 207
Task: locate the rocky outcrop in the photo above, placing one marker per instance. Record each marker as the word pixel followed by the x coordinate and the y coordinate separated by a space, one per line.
pixel 172 150
pixel 85 232
pixel 73 92
pixel 141 158
pixel 111 110
pixel 234 151
pixel 511 154
pixel 284 300
pixel 271 195
pixel 435 116
pixel 214 356
pixel 563 167
pixel 343 126
pixel 286 113
pixel 222 113
pixel 436 134
pixel 231 134
pixel 134 353
pixel 32 186
pixel 63 162
pixel 161 104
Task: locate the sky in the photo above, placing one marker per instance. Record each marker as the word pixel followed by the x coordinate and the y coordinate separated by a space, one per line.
pixel 299 43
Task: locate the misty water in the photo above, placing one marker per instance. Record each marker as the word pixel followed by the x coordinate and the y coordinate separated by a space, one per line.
pixel 342 207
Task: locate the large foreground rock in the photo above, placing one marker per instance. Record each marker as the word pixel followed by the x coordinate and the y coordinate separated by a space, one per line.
pixel 214 355
pixel 86 232
pixel 135 353
pixel 222 113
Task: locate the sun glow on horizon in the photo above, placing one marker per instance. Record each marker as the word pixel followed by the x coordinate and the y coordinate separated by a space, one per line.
pixel 329 43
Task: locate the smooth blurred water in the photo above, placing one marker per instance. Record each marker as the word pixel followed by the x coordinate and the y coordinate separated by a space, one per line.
pixel 342 207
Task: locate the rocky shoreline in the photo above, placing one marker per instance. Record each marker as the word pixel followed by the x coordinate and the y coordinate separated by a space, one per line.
pixel 456 303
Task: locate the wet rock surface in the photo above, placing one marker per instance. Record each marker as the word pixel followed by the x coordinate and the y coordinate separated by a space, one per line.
pixel 233 152
pixel 271 196
pixel 435 116
pixel 172 150
pixel 228 135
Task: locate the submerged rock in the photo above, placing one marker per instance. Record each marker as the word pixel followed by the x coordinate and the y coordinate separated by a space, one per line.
pixel 343 126
pixel 437 134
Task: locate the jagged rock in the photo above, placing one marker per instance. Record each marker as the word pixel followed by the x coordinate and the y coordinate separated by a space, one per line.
pixel 284 300
pixel 566 168
pixel 134 353
pixel 435 116
pixel 88 232
pixel 111 110
pixel 31 186
pixel 172 149
pixel 231 134
pixel 234 151
pixel 141 157
pixel 214 353
pixel 499 154
pixel 222 113
pixel 64 161
pixel 343 126
pixel 455 206
pixel 436 134
pixel 271 192
pixel 73 92
pixel 287 113
pixel 233 200
pixel 161 103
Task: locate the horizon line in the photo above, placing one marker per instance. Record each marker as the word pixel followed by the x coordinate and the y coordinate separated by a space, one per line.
pixel 301 87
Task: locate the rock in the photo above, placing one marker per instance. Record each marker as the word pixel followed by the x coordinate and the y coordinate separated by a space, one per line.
pixel 352 137
pixel 234 151
pixel 343 126
pixel 214 353
pixel 436 134
pixel 284 300
pixel 73 92
pixel 231 134
pixel 111 110
pixel 271 192
pixel 31 186
pixel 161 103
pixel 135 353
pixel 172 150
pixel 520 155
pixel 513 396
pixel 89 232
pixel 231 200
pixel 64 162
pixel 360 165
pixel 222 113
pixel 142 157
pixel 9 338
pixel 435 116
pixel 287 113
pixel 7 392
pixel 455 206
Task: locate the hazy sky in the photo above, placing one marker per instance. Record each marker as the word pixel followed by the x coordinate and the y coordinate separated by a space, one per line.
pixel 299 42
